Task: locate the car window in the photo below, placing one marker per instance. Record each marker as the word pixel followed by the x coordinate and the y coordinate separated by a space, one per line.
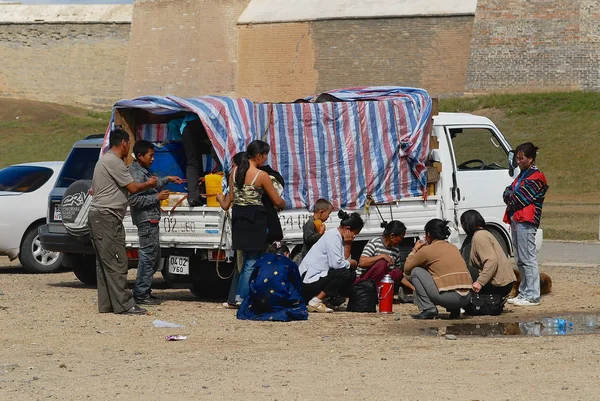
pixel 477 149
pixel 78 166
pixel 23 178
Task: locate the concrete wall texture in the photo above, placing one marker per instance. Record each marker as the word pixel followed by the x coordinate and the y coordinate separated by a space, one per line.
pixel 282 61
pixel 95 55
pixel 66 63
pixel 535 45
pixel 183 47
pixel 64 54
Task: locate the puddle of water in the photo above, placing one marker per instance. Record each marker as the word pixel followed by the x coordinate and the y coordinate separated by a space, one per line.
pixel 573 325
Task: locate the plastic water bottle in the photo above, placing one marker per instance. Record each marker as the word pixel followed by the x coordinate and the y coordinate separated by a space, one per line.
pixel 553 322
pixel 556 326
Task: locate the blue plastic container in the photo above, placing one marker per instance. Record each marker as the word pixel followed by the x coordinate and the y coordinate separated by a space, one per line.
pixel 170 160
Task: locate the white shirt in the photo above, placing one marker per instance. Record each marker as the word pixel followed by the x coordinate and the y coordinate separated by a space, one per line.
pixel 327 253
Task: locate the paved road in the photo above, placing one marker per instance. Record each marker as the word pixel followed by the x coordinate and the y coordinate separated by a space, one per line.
pixel 571 253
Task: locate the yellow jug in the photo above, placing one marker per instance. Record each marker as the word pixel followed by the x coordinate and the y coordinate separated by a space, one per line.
pixel 213 187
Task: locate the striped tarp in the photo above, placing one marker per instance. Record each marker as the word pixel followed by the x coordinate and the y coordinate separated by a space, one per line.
pixel 371 142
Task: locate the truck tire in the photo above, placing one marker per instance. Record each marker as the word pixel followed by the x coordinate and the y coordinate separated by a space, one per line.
pixel 84 267
pixel 36 259
pixel 501 240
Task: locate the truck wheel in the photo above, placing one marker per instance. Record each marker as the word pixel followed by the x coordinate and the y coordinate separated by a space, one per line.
pixel 501 240
pixel 36 259
pixel 84 267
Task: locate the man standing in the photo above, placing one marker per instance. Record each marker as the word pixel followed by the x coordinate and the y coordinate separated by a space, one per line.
pixel 111 185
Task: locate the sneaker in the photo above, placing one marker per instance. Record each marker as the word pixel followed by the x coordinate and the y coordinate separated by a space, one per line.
pixel 525 302
pixel 135 310
pixel 320 307
pixel 514 299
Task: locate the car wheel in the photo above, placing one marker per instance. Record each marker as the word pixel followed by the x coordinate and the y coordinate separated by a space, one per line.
pixel 84 267
pixel 36 259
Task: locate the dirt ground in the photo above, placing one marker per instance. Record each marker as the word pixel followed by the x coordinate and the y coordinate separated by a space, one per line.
pixel 56 346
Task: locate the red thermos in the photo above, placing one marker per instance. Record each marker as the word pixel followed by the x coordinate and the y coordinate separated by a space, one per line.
pixel 385 291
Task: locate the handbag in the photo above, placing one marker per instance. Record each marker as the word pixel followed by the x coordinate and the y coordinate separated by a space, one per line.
pixel 485 304
pixel 363 297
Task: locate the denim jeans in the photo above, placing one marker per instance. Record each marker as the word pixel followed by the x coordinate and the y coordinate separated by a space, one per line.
pixel 523 237
pixel 250 259
pixel 149 258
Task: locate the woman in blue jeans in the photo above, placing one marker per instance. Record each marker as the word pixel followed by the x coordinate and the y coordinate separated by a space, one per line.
pixel 247 184
pixel 524 199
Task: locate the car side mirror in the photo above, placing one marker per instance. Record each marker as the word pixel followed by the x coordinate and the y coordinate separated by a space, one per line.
pixel 512 163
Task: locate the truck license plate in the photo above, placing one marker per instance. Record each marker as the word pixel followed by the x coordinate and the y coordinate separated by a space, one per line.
pixel 179 265
pixel 57 214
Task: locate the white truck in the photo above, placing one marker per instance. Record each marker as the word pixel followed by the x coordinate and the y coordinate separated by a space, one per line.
pixel 471 163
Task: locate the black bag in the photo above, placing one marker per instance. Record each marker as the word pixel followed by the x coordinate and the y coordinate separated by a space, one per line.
pixel 363 297
pixel 485 304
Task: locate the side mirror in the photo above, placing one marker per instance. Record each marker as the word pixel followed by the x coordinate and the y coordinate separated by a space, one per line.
pixel 512 163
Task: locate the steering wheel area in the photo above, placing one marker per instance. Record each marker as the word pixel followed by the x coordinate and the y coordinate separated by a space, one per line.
pixel 465 165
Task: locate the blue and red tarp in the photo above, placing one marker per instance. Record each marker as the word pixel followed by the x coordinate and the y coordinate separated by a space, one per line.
pixel 373 141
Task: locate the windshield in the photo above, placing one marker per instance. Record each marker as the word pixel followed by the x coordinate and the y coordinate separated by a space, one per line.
pixel 79 166
pixel 23 178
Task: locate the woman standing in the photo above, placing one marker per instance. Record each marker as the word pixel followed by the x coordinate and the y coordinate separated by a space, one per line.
pixel 327 269
pixel 438 273
pixel 524 199
pixel 249 217
pixel 494 272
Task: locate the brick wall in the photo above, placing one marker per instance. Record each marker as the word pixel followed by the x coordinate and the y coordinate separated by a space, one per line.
pixel 68 63
pixel 535 45
pixel 282 61
pixel 183 47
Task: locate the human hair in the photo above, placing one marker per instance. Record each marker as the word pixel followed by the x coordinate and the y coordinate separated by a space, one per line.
pixel 117 136
pixel 529 150
pixel 237 158
pixel 352 221
pixel 323 205
pixel 394 227
pixel 255 148
pixel 437 229
pixel 471 221
pixel 278 247
pixel 141 148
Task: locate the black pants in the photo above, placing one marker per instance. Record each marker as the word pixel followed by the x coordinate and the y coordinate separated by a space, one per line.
pixel 192 146
pixel 502 291
pixel 337 282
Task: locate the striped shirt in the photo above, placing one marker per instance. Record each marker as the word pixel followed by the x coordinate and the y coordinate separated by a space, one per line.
pixel 374 247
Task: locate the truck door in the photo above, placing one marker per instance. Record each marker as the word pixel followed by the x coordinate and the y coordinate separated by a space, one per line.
pixel 480 171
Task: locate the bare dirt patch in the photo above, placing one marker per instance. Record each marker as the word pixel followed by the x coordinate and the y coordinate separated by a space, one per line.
pixel 55 345
pixel 34 111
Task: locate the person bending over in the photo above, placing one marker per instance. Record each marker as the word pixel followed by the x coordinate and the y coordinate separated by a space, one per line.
pixel 328 270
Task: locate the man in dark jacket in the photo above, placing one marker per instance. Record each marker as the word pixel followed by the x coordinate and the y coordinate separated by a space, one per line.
pixel 145 213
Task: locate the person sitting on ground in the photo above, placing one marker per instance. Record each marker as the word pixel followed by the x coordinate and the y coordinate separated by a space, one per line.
pixel 314 228
pixel 382 256
pixel 328 270
pixel 145 213
pixel 275 288
pixel 490 269
pixel 438 273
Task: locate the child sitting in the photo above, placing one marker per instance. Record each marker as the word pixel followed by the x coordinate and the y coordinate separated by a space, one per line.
pixel 314 228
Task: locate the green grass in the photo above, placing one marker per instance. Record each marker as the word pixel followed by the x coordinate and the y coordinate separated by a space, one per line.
pixel 27 140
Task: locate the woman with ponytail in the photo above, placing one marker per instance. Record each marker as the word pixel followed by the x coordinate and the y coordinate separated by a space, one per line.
pixel 327 269
pixel 382 256
pixel 438 272
pixel 249 217
pixel 275 288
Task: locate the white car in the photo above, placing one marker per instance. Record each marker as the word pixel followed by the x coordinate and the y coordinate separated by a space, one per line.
pixel 24 190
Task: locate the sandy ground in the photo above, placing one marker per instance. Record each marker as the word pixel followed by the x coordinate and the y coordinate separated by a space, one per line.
pixel 56 346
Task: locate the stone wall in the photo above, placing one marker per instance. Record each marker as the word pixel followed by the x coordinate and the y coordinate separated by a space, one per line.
pixel 282 61
pixel 64 54
pixel 535 45
pixel 183 47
